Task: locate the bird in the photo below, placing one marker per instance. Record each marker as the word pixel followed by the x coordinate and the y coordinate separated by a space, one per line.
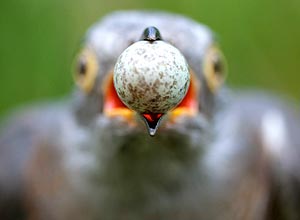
pixel 214 153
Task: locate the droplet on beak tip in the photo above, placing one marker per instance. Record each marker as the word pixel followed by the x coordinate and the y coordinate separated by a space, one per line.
pixel 152 121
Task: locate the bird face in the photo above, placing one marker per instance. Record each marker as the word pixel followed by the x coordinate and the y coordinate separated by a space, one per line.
pixel 115 88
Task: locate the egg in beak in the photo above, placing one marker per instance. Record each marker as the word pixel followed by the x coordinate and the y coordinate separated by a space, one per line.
pixel 151 78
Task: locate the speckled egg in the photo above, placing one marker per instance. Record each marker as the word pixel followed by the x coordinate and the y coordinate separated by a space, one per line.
pixel 151 77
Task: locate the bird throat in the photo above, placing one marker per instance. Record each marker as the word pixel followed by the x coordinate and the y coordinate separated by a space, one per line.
pixel 152 121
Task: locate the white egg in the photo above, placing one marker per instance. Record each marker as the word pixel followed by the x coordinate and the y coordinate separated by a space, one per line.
pixel 151 77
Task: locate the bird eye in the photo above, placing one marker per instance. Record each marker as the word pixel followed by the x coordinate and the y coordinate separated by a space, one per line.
pixel 86 68
pixel 214 68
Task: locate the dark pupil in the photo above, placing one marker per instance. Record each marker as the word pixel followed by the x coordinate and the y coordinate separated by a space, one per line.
pixel 82 66
pixel 218 65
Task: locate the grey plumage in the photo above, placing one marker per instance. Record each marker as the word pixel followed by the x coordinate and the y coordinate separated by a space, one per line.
pixel 237 159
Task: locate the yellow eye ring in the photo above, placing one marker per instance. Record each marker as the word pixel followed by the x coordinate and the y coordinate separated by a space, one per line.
pixel 86 69
pixel 215 68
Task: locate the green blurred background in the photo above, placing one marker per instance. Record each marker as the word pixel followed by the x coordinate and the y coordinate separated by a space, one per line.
pixel 260 38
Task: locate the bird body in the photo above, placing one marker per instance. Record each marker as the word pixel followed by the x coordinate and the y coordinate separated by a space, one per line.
pixel 235 157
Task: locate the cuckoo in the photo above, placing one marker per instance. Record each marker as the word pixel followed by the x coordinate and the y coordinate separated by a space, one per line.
pixel 151 132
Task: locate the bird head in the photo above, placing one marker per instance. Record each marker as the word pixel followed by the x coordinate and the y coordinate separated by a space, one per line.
pixel 162 68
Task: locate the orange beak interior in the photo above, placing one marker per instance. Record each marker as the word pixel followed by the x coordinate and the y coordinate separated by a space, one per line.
pixel 114 107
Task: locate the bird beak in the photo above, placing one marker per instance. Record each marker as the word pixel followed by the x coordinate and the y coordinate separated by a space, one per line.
pixel 113 107
pixel 153 78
